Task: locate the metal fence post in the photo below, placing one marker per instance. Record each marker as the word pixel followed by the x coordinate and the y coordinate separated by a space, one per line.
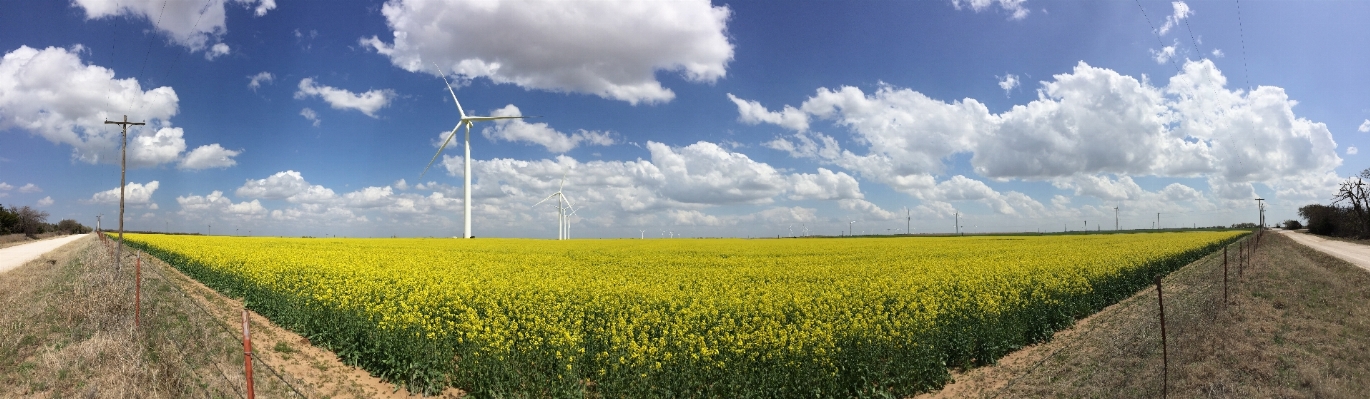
pixel 1165 356
pixel 247 356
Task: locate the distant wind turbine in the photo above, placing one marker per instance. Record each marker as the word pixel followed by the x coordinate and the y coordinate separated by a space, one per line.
pixel 563 204
pixel 465 120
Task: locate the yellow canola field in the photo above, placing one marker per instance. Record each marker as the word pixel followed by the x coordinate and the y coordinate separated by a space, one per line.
pixel 710 318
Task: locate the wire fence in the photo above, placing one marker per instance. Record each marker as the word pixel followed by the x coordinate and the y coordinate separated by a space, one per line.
pixel 201 350
pixel 1119 352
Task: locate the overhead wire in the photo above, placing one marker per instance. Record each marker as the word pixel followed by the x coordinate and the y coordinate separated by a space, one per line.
pixel 198 18
pixel 1156 33
pixel 1242 30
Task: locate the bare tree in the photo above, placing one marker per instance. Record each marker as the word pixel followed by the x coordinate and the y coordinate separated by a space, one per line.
pixel 31 221
pixel 1354 192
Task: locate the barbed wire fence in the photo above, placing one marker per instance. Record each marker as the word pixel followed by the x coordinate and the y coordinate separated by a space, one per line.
pixel 200 352
pixel 1126 340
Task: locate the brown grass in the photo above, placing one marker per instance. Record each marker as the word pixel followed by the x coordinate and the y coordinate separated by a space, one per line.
pixel 10 240
pixel 68 331
pixel 1296 325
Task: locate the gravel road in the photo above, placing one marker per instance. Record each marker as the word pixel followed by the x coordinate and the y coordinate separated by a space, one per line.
pixel 1357 254
pixel 18 255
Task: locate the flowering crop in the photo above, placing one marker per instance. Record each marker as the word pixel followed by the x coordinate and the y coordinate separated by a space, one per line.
pixel 710 318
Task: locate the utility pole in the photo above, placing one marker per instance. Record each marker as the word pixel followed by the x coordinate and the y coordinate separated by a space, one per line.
pixel 1115 218
pixel 123 168
pixel 1260 205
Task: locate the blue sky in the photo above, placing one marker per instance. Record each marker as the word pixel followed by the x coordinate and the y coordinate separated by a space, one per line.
pixel 687 117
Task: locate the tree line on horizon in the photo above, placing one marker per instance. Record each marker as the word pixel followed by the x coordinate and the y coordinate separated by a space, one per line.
pixel 31 222
pixel 1347 216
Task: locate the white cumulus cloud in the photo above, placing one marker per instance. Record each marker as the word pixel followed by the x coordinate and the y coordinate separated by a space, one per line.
pixel 752 112
pixel 1008 82
pixel 518 130
pixel 209 156
pixel 1364 126
pixel 255 81
pixel 216 51
pixel 46 201
pixel 612 49
pixel 1015 8
pixel 217 205
pixel 191 24
pixel 1163 55
pixel 52 93
pixel 368 102
pixel 312 116
pixel 30 188
pixel 1352 150
pixel 1086 122
pixel 1181 11
pixel 134 194
pixel 287 185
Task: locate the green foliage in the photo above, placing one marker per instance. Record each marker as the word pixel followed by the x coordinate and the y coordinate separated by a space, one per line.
pixel 1292 225
pixel 1330 220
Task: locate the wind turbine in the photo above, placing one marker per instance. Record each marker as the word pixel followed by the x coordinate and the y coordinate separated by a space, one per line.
pixel 465 120
pixel 563 204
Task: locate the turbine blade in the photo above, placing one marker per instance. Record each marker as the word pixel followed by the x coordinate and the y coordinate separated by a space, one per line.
pixel 449 90
pixel 545 199
pixel 444 145
pixel 491 118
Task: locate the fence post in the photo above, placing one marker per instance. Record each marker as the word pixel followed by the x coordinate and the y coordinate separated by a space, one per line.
pixel 138 293
pixel 247 356
pixel 1165 356
pixel 1224 276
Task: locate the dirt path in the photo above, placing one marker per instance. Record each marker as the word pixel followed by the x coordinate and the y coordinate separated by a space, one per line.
pixel 16 256
pixel 1358 255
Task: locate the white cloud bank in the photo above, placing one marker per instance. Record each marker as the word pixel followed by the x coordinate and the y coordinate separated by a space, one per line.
pixel 611 49
pixel 53 94
pixel 1091 121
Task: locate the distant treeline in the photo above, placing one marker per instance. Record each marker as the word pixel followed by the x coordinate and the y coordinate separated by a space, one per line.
pixel 1332 220
pixel 32 222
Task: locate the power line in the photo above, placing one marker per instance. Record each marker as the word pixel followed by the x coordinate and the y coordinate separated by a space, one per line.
pixel 1157 34
pixel 174 61
pixel 1242 30
pixel 150 38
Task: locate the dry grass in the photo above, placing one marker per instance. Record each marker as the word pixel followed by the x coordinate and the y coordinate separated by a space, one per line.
pixel 10 240
pixel 68 331
pixel 1295 325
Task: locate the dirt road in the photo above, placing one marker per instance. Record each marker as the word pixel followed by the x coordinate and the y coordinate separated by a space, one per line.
pixel 18 255
pixel 1357 254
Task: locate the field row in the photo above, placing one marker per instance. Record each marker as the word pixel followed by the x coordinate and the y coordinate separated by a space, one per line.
pixel 709 318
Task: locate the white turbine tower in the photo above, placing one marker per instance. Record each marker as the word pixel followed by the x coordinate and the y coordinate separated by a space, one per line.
pixel 563 204
pixel 465 120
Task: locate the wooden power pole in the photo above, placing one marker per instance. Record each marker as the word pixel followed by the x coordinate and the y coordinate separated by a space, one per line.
pixel 123 167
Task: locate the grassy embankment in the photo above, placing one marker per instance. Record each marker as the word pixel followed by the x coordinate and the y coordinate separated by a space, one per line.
pixel 67 330
pixel 1296 324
